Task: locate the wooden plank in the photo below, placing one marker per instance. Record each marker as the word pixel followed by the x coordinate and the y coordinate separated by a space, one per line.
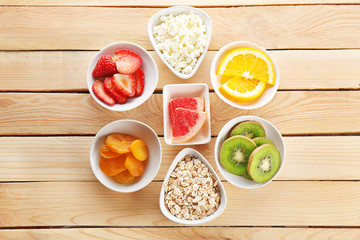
pixel 160 3
pixel 184 233
pixel 57 70
pixel 85 28
pixel 293 112
pixel 67 158
pixel 90 204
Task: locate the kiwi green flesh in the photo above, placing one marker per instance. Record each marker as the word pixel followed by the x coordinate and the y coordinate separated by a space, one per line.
pixel 264 162
pixel 250 129
pixel 261 141
pixel 235 153
pixel 247 176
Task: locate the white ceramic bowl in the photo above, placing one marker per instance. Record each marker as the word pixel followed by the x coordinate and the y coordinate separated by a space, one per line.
pixel 272 133
pixel 167 213
pixel 138 130
pixel 171 91
pixel 268 93
pixel 155 20
pixel 148 66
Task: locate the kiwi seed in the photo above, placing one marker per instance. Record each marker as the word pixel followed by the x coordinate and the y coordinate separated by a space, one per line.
pixel 264 162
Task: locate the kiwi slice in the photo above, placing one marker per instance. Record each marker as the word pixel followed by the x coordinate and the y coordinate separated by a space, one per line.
pixel 234 154
pixel 264 162
pixel 250 129
pixel 261 141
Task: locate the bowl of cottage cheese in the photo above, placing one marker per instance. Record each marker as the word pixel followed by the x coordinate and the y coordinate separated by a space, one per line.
pixel 181 37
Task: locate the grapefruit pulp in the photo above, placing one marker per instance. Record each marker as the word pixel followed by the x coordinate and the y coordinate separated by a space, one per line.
pixel 192 103
pixel 186 124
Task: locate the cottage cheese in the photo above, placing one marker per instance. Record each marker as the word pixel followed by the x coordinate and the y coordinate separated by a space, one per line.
pixel 181 39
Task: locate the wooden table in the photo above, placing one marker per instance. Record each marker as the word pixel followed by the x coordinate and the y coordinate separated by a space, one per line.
pixel 48 120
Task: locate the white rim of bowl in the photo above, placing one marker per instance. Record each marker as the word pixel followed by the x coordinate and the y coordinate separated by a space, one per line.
pixel 223 199
pixel 89 76
pixel 153 41
pixel 224 49
pixel 241 119
pixel 92 163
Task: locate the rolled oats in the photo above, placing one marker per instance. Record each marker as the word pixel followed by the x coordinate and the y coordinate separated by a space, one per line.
pixel 192 191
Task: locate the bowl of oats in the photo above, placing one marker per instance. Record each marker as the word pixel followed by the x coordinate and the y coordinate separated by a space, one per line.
pixel 191 193
pixel 181 36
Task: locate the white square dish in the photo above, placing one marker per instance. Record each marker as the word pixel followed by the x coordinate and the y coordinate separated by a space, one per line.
pixel 171 91
pixel 155 20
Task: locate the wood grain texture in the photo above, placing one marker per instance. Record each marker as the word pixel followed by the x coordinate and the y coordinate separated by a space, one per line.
pixel 292 112
pixel 67 158
pixel 66 70
pixel 160 3
pixel 90 204
pixel 183 233
pixel 88 28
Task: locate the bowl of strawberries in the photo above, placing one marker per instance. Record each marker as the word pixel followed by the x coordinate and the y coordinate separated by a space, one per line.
pixel 122 76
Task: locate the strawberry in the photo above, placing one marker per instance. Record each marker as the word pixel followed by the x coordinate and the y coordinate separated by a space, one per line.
pixel 105 67
pixel 127 62
pixel 99 91
pixel 109 89
pixel 139 76
pixel 125 84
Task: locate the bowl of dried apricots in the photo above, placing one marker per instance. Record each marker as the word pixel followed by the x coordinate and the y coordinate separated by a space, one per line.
pixel 125 155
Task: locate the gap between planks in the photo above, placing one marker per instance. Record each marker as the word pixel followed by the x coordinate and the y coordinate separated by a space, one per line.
pixel 182 232
pixel 293 113
pixel 318 26
pixel 78 91
pixel 312 204
pixel 306 70
pixel 171 227
pixel 168 3
pixel 52 159
pixel 350 134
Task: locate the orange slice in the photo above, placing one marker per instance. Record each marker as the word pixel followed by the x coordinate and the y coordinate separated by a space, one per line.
pixel 249 63
pixel 240 89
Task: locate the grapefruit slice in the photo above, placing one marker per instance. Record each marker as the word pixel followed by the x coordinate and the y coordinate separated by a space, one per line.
pixel 187 124
pixel 192 103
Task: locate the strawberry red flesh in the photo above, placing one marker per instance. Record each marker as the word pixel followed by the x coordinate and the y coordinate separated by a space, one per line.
pixel 125 84
pixel 109 89
pixel 105 67
pixel 99 91
pixel 140 77
pixel 127 62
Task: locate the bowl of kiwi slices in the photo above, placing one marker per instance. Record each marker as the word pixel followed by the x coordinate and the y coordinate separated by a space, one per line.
pixel 249 152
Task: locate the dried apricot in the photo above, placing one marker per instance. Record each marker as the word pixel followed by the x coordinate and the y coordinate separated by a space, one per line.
pixel 123 137
pixel 119 142
pixel 135 167
pixel 112 166
pixel 106 152
pixel 139 150
pixel 124 177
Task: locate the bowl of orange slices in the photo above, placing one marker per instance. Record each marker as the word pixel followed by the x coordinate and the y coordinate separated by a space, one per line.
pixel 244 75
pixel 125 155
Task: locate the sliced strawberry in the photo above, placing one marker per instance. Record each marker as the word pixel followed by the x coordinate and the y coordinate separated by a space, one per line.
pixel 140 77
pixel 127 62
pixel 105 67
pixel 109 89
pixel 125 84
pixel 99 91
